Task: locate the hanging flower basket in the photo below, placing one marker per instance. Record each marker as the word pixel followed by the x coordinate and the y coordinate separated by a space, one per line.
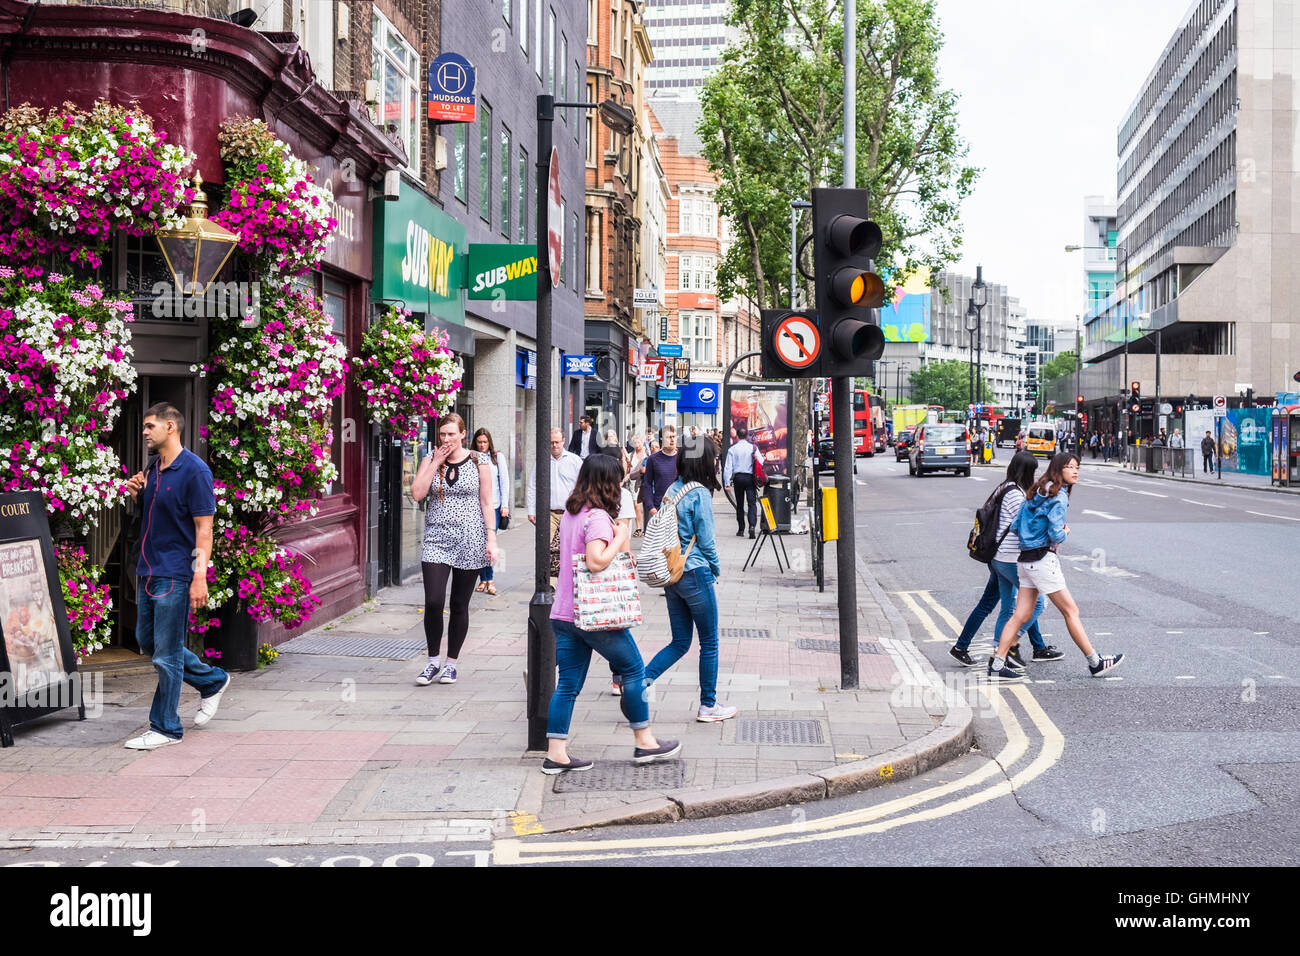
pixel 281 216
pixel 406 375
pixel 70 179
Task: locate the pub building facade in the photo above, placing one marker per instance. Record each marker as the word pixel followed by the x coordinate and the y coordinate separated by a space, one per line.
pixel 190 73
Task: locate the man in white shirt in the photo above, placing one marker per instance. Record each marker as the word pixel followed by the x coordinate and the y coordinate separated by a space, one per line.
pixel 583 442
pixel 739 471
pixel 565 466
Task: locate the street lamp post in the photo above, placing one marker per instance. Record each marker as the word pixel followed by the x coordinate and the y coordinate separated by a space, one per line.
pixel 972 322
pixel 541 642
pixel 979 298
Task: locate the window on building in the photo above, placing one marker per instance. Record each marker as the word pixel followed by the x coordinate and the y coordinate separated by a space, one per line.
pixel 564 71
pixel 591 124
pixel 395 66
pixel 485 163
pixel 697 337
pixel 537 36
pixel 573 241
pixel 697 217
pixel 505 11
pixel 550 50
pixel 594 238
pixel 593 21
pixel 523 195
pixel 506 192
pixel 460 161
pixel 614 32
pixel 698 273
pixel 523 25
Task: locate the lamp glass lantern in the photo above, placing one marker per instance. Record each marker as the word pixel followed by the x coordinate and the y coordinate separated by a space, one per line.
pixel 197 250
pixel 972 316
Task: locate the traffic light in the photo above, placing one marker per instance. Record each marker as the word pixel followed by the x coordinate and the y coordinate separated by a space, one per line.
pixel 1078 399
pixel 1134 391
pixel 792 346
pixel 844 243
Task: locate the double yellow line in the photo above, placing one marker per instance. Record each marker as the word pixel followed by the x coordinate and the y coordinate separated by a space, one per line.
pixel 931 803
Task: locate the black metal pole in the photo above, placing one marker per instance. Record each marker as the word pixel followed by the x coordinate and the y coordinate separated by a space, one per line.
pixel 970 372
pixel 1157 408
pixel 541 641
pixel 845 559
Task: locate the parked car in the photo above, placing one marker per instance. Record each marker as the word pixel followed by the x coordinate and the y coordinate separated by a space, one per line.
pixel 939 447
pixel 902 442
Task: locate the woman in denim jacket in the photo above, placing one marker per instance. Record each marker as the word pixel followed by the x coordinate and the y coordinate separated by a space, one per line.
pixel 1042 529
pixel 691 601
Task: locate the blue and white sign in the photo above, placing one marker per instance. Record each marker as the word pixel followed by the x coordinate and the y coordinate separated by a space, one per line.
pixel 670 351
pixel 452 82
pixel 579 365
pixel 699 397
pixel 670 394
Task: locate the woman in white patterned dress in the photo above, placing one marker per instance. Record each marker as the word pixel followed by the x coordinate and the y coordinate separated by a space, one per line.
pixel 459 540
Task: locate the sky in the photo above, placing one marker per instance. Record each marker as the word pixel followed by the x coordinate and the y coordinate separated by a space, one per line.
pixel 1043 87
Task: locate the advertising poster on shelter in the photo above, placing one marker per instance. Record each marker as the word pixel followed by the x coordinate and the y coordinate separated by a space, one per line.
pixel 766 413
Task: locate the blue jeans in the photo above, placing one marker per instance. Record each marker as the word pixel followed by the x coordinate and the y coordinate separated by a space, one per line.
pixel 691 600
pixel 573 647
pixel 160 629
pixel 1002 585
pixel 486 573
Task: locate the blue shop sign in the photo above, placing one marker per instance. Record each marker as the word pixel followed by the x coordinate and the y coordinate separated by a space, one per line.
pixel 525 368
pixel 579 365
pixel 670 395
pixel 669 351
pixel 699 397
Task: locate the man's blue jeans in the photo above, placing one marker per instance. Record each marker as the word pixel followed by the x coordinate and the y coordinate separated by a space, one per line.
pixel 160 629
pixel 1003 583
pixel 691 601
pixel 573 647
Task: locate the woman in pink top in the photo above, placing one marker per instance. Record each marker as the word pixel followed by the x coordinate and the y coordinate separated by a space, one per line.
pixel 587 528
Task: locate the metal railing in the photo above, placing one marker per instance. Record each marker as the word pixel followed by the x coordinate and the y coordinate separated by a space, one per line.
pixel 1179 462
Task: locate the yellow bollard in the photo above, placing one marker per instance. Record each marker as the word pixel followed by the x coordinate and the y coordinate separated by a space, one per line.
pixel 830 515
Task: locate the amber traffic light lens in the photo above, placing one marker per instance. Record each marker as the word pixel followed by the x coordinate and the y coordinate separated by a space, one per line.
pixel 857 289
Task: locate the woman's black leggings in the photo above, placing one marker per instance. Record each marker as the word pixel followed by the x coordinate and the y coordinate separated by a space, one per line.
pixel 435 592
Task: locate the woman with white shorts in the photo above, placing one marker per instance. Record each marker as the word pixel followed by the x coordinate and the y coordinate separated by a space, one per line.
pixel 1041 528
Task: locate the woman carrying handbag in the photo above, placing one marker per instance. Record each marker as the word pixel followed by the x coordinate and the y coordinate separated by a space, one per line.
pixel 587 613
pixel 692 602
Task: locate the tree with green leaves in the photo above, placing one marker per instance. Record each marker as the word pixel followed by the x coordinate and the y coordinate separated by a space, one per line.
pixel 772 129
pixel 946 383
pixel 1058 367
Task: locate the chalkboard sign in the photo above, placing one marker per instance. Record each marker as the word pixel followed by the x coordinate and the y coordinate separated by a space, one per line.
pixel 38 668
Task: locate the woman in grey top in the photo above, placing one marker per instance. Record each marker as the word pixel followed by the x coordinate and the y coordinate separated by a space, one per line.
pixel 1003 579
pixel 459 539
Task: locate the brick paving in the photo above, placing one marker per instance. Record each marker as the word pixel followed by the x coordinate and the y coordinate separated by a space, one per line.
pixel 336 749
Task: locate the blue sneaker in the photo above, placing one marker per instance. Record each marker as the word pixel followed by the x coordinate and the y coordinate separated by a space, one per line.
pixel 1107 663
pixel 428 674
pixel 1005 675
pixel 448 675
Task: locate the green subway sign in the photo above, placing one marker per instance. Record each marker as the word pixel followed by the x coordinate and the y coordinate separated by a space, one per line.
pixel 501 271
pixel 419 255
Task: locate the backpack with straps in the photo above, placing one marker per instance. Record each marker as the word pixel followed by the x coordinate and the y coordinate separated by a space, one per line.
pixel 661 561
pixel 984 540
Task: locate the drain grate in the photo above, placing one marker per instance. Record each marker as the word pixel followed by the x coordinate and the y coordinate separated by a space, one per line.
pixel 668 775
pixel 355 647
pixel 750 632
pixel 797 733
pixel 833 647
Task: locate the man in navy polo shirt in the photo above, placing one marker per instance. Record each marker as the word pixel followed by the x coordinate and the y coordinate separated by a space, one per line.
pixel 176 508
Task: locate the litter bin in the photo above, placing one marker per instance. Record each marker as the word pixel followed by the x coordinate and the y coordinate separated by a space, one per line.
pixel 777 490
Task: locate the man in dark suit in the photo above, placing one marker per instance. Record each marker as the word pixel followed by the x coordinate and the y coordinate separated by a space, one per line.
pixel 584 440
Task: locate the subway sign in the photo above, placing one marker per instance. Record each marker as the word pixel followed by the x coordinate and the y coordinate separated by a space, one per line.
pixel 420 254
pixel 502 271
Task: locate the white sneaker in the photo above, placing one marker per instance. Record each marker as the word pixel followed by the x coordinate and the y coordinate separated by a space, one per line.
pixel 707 715
pixel 150 740
pixel 208 705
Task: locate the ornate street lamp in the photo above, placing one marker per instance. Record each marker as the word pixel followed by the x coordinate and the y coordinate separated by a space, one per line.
pixel 196 251
pixel 972 323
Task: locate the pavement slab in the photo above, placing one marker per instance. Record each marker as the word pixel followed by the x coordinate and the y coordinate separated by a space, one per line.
pixel 344 749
